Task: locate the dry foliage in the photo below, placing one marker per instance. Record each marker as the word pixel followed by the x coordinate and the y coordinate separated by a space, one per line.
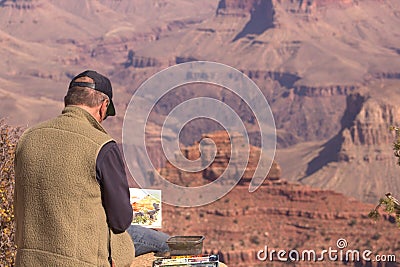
pixel 8 141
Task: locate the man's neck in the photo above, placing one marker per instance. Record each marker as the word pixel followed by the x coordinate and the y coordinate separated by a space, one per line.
pixel 91 111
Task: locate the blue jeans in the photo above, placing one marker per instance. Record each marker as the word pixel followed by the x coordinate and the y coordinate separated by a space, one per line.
pixel 147 240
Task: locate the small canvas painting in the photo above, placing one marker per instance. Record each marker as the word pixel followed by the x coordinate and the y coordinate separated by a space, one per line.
pixel 146 205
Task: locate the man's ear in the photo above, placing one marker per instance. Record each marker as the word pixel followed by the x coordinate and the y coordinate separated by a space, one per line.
pixel 103 109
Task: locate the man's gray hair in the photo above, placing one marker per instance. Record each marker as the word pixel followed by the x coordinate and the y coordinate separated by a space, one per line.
pixel 84 96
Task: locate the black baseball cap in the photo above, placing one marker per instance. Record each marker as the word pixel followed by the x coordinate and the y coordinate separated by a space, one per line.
pixel 100 83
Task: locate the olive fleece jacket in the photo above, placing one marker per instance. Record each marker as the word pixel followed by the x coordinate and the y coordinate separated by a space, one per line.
pixel 60 220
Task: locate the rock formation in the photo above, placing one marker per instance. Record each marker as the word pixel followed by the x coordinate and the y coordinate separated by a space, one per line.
pixel 224 155
pixel 279 215
pixel 363 147
pixel 20 4
pixel 282 216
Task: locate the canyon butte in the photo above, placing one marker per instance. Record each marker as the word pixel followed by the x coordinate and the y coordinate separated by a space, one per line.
pixel 329 70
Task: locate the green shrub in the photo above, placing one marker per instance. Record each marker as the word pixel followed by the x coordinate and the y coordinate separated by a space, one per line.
pixel 390 204
pixel 8 140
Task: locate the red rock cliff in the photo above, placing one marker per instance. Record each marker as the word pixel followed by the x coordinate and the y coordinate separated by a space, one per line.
pixel 219 164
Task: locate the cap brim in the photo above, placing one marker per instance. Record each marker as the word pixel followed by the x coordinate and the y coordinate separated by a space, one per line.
pixel 111 109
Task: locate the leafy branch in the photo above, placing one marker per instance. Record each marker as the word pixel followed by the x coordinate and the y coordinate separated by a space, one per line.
pixel 391 205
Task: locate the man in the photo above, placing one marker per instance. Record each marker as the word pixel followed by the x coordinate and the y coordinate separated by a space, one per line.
pixel 72 203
